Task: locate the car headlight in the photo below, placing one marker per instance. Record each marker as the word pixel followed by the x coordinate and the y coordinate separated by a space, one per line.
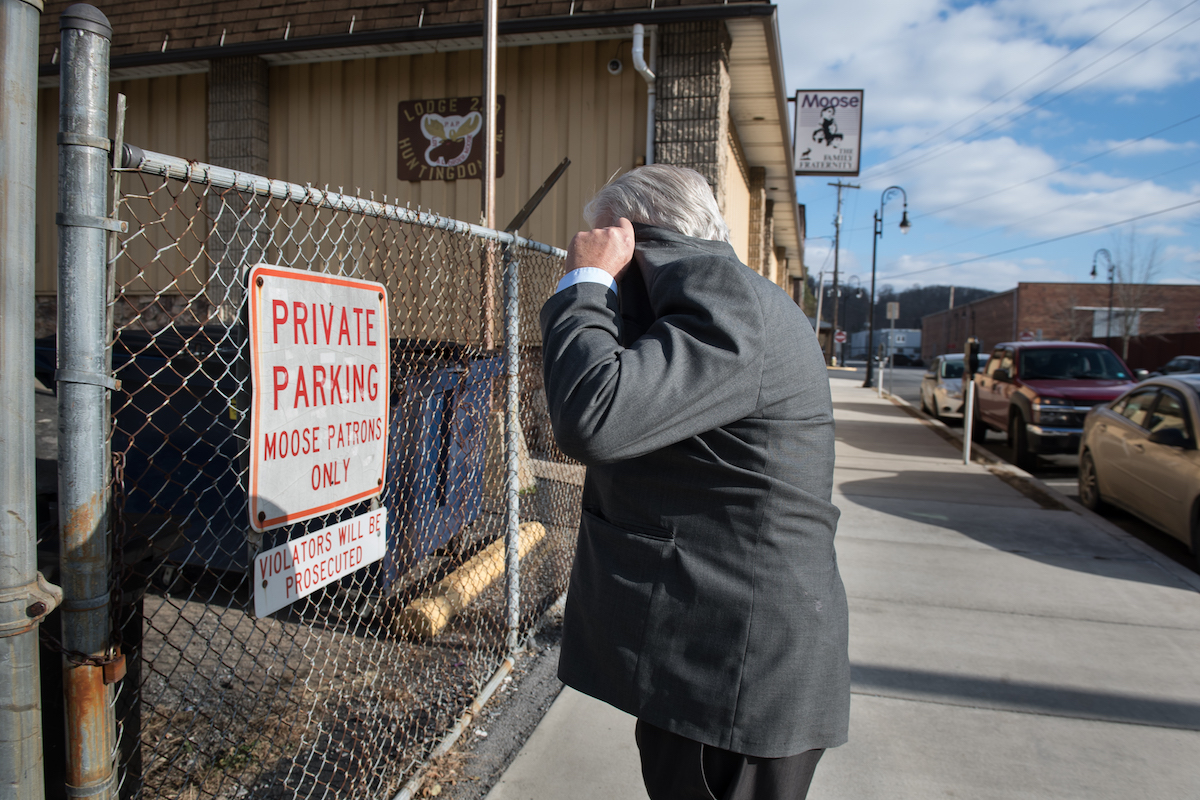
pixel 1052 411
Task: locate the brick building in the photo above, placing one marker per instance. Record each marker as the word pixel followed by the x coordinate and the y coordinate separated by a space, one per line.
pixel 308 91
pixel 1161 319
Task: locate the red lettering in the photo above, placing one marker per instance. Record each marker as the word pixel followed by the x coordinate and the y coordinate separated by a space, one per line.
pixel 370 341
pixel 301 389
pixel 328 474
pixel 327 323
pixel 269 446
pixel 373 381
pixel 316 476
pixel 318 383
pixel 316 442
pixel 358 387
pixel 299 317
pixel 358 326
pixel 344 330
pixel 278 306
pixel 279 386
pixel 337 386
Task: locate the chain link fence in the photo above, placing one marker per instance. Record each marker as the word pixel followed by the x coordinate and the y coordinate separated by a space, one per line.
pixel 346 692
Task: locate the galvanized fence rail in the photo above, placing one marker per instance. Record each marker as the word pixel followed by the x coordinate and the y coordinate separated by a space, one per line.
pixel 346 692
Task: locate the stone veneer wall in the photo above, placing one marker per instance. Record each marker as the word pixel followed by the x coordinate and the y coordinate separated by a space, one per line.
pixel 691 125
pixel 238 128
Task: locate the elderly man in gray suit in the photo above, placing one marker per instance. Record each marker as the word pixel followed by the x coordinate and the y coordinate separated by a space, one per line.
pixel 705 597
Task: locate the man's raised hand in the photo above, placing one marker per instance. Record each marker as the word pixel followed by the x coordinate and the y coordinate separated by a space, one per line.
pixel 609 249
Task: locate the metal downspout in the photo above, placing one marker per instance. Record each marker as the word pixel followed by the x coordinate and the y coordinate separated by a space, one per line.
pixel 83 384
pixel 24 598
pixel 647 73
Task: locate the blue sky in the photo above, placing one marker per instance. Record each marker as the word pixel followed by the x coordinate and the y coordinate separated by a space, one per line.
pixel 962 108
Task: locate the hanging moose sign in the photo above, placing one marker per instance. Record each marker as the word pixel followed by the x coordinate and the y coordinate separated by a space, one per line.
pixel 442 139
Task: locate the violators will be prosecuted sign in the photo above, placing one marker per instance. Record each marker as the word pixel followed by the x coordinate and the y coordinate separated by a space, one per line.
pixel 284 574
pixel 319 374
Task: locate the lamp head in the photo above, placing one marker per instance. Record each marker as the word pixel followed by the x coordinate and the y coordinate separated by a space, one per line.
pixel 904 223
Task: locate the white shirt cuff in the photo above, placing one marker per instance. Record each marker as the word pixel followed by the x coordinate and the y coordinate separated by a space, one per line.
pixel 587 275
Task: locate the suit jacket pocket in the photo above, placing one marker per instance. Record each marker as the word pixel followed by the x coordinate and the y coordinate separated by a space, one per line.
pixel 616 572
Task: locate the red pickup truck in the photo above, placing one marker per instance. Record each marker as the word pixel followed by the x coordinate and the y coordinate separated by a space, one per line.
pixel 1039 392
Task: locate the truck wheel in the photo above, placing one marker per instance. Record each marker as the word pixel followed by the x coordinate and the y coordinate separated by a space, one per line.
pixel 1089 486
pixel 1019 439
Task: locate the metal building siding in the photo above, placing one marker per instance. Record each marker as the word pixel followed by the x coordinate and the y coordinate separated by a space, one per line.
pixel 335 123
pixel 166 114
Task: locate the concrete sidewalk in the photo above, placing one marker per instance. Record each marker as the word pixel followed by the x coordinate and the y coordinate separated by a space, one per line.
pixel 1002 646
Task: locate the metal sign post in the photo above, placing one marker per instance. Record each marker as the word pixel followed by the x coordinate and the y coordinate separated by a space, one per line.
pixel 893 313
pixel 968 421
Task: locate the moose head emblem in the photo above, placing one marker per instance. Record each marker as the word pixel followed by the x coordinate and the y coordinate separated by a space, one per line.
pixel 449 137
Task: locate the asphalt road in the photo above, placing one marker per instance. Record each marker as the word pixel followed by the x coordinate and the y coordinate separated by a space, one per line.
pixel 1060 472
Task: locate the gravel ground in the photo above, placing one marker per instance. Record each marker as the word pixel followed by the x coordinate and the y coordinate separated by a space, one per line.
pixel 480 757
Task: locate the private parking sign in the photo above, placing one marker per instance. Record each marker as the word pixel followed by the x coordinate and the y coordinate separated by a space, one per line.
pixel 319 374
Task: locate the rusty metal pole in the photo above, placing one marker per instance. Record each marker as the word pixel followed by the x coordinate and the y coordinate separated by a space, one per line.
pixel 24 597
pixel 83 384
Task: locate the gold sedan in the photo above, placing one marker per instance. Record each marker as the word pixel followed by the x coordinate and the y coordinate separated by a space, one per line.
pixel 1139 452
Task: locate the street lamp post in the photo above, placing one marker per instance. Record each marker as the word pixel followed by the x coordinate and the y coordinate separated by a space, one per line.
pixel 888 194
pixel 1111 275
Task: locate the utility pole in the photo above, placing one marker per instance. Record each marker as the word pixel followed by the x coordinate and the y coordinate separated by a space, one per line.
pixel 837 246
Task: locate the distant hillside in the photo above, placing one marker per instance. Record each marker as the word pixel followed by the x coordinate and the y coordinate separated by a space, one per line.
pixel 915 302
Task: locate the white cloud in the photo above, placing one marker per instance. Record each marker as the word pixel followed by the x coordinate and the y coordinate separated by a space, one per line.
pixel 1151 146
pixel 926 64
pixel 970 188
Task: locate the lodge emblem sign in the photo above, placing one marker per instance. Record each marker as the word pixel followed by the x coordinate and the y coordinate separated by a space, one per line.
pixel 439 139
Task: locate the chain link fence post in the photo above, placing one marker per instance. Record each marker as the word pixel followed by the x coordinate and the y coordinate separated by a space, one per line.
pixel 512 422
pixel 83 383
pixel 23 603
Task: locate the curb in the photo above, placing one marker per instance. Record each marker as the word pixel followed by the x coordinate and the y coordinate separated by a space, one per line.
pixel 1037 489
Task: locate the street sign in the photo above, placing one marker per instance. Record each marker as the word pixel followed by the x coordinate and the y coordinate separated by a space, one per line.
pixel 1026 336
pixel 284 574
pixel 840 337
pixel 828 136
pixel 319 378
pixel 893 311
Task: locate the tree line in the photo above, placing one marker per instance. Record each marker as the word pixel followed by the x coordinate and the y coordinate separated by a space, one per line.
pixel 915 302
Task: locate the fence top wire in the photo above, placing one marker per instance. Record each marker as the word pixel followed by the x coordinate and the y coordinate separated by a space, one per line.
pixel 148 162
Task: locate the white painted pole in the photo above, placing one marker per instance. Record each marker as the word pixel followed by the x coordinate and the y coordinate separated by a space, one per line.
pixel 968 420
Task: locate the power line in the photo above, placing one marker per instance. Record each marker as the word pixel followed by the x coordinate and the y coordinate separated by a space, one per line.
pixel 1036 75
pixel 961 141
pixel 1085 199
pixel 1044 241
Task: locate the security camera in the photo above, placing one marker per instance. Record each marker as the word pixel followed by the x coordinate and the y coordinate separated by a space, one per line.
pixel 615 66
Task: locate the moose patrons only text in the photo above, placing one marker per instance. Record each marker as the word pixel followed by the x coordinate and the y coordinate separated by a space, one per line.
pixel 319 374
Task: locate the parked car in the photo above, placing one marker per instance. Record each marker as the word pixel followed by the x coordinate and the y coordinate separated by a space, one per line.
pixel 942 385
pixel 1039 393
pixel 1178 365
pixel 1139 452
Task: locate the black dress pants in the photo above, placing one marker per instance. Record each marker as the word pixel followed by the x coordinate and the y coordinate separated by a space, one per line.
pixel 677 768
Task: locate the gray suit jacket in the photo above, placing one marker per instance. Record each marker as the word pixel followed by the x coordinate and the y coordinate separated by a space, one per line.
pixel 705 596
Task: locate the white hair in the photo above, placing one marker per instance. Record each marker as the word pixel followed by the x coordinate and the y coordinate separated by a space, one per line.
pixel 676 198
